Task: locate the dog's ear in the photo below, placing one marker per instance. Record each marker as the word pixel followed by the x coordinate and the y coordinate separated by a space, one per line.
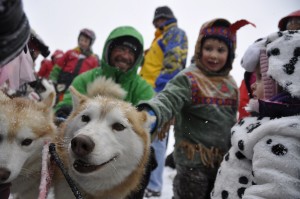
pixel 47 104
pixel 50 100
pixel 3 96
pixel 77 97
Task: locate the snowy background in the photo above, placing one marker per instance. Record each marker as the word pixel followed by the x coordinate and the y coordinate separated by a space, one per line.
pixel 58 21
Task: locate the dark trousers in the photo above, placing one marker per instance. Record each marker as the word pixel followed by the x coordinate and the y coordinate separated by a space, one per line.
pixel 193 183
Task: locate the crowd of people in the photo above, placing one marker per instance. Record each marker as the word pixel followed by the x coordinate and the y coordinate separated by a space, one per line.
pixel 230 141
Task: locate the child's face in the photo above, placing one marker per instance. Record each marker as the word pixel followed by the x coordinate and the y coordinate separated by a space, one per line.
pixel 84 42
pixel 257 87
pixel 293 23
pixel 214 54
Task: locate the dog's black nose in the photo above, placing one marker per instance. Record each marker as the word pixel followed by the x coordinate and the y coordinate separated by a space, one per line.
pixel 4 174
pixel 82 145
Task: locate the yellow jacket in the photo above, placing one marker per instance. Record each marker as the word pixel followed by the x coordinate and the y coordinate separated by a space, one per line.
pixel 166 56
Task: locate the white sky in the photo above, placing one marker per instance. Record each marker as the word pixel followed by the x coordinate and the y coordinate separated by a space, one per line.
pixel 58 21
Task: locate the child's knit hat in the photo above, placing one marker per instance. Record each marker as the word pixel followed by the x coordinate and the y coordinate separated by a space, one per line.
pixel 224 29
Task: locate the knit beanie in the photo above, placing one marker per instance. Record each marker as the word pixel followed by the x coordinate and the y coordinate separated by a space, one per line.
pixel 224 29
pixel 163 12
pixel 14 31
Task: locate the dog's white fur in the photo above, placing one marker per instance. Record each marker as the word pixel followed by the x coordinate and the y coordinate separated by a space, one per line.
pixel 105 87
pixel 103 130
pixel 25 126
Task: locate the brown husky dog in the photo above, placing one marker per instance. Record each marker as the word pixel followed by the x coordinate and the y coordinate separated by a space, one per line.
pixel 104 144
pixel 25 126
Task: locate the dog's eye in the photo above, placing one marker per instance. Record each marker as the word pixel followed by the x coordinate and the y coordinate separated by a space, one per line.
pixel 118 127
pixel 85 118
pixel 26 142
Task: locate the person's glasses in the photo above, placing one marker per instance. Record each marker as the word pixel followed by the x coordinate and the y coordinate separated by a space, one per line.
pixel 124 49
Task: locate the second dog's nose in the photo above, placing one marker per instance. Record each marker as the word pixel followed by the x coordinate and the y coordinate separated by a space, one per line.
pixel 82 145
pixel 4 174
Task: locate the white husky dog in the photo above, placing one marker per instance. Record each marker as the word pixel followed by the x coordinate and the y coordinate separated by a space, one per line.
pixel 25 126
pixel 104 144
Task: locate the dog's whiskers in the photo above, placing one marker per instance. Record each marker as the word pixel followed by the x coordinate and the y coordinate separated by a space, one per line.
pixel 115 173
pixel 29 173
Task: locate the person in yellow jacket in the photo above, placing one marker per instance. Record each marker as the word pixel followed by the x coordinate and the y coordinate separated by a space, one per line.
pixel 168 52
pixel 163 60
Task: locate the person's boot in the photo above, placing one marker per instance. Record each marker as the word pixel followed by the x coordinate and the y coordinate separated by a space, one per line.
pixel 150 193
pixel 170 161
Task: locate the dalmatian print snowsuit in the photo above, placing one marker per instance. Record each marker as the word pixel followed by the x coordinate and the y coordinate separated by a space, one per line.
pixel 264 160
pixel 284 62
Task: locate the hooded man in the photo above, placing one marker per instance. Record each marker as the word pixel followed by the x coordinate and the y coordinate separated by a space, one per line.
pixel 121 57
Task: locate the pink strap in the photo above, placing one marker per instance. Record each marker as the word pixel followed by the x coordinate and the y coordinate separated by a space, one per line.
pixel 46 173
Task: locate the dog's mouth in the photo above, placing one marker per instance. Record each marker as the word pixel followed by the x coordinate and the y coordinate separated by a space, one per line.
pixel 85 167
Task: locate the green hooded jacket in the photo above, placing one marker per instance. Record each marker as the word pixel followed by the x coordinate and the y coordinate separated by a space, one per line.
pixel 137 88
